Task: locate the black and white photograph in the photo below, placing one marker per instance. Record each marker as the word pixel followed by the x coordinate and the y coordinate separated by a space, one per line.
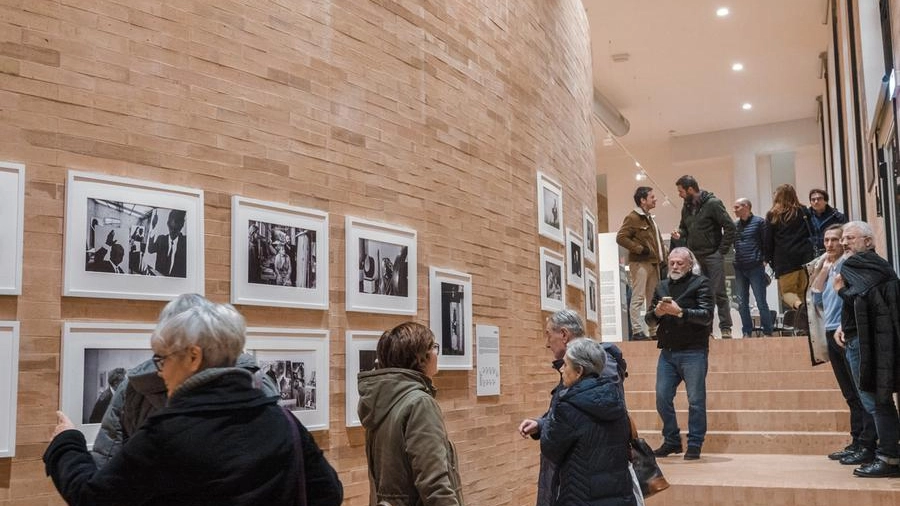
pixel 294 376
pixel 590 237
pixel 550 208
pixel 12 209
pixel 575 252
pixel 450 300
pixel 360 357
pixel 104 370
pixel 296 361
pixel 380 267
pixel 590 296
pixel 279 255
pixel 553 294
pixel 132 239
pixel 453 325
pixel 9 380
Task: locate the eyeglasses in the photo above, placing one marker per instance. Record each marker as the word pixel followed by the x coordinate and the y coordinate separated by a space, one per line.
pixel 160 360
pixel 816 199
pixel 436 347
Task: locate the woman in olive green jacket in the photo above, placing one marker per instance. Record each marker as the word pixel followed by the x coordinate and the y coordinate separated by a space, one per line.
pixel 411 460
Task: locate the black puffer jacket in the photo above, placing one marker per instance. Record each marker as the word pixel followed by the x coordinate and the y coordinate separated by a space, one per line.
pixel 587 438
pixel 218 442
pixel 705 226
pixel 692 330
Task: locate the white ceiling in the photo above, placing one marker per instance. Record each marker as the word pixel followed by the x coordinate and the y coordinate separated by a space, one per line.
pixel 678 79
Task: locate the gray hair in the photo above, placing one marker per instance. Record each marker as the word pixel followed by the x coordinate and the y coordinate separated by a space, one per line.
pixel 568 319
pixel 744 202
pixel 217 329
pixel 864 229
pixel 181 304
pixel 587 354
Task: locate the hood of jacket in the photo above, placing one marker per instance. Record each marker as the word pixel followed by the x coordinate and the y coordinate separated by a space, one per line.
pixel 216 389
pixel 381 389
pixel 863 271
pixel 145 380
pixel 595 396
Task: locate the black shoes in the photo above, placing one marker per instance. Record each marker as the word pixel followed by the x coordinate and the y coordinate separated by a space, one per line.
pixel 846 452
pixel 726 333
pixel 640 336
pixel 666 449
pixel 878 469
pixel 863 456
pixel 693 453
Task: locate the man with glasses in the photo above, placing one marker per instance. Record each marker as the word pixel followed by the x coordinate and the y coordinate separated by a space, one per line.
pixel 822 216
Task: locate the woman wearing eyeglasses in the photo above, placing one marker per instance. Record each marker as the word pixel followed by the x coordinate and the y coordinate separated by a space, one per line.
pixel 411 460
pixel 219 440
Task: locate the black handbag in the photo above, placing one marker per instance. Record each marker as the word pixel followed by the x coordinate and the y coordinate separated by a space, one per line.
pixel 649 475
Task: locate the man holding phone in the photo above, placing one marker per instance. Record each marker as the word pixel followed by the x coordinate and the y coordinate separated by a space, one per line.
pixel 682 310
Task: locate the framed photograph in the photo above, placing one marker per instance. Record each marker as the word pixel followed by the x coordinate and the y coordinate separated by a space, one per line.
pixel 132 239
pixel 9 377
pixel 297 361
pixel 550 210
pixel 381 268
pixel 360 357
pixel 451 317
pixel 12 210
pixel 590 297
pixel 590 237
pixel 575 254
pixel 553 283
pixel 279 255
pixel 95 359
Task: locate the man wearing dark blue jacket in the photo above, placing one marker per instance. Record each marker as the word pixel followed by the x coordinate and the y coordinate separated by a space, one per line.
pixel 822 216
pixel 749 267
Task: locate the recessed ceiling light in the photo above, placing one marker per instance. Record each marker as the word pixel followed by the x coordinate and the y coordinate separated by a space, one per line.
pixel 722 12
pixel 747 106
pixel 737 67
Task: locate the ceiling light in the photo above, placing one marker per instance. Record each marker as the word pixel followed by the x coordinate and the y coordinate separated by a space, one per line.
pixel 722 12
pixel 737 67
pixel 747 106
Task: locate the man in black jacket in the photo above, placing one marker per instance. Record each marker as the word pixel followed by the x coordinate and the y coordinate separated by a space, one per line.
pixel 683 310
pixel 821 217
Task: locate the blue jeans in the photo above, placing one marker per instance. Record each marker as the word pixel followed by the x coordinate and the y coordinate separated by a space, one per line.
pixel 887 419
pixel 672 368
pixel 744 280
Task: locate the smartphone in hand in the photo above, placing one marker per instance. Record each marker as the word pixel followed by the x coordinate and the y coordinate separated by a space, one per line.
pixel 666 299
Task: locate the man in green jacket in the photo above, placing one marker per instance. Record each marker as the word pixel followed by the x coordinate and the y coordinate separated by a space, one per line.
pixel 707 230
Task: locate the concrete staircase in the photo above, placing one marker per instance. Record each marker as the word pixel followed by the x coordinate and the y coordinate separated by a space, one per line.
pixel 772 419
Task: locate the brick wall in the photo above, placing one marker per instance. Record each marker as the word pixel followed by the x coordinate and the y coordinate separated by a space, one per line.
pixel 430 115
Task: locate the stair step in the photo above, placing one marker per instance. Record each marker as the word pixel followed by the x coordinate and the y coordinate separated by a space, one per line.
pixel 767 442
pixel 816 420
pixel 747 399
pixel 819 378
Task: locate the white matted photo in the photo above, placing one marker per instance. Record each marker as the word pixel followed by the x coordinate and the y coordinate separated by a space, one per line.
pixel 132 239
pixel 381 268
pixel 360 357
pixel 12 209
pixel 95 359
pixel 590 237
pixel 575 254
pixel 550 210
pixel 279 255
pixel 297 362
pixel 553 283
pixel 451 317
pixel 590 296
pixel 9 377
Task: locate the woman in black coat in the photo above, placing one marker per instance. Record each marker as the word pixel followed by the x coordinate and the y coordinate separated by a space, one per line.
pixel 586 434
pixel 788 245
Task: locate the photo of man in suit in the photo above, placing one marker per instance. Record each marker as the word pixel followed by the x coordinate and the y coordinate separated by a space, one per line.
pixel 170 249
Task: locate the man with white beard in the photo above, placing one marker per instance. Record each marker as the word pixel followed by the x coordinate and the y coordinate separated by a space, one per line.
pixel 682 308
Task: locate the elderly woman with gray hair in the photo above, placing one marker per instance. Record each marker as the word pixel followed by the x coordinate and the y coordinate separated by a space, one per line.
pixel 217 441
pixel 587 433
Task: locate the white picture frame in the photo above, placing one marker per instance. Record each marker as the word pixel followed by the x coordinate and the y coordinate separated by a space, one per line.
pixel 9 382
pixel 553 282
pixel 110 219
pixel 590 237
pixel 91 352
pixel 279 255
pixel 12 212
pixel 450 297
pixel 381 268
pixel 591 297
pixel 550 208
pixel 360 357
pixel 574 260
pixel 303 358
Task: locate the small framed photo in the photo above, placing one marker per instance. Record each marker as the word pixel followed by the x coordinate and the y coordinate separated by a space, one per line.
pixel 381 268
pixel 9 377
pixel 590 297
pixel 451 317
pixel 12 211
pixel 550 210
pixel 361 345
pixel 132 239
pixel 279 255
pixel 95 359
pixel 590 237
pixel 297 362
pixel 553 283
pixel 575 252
